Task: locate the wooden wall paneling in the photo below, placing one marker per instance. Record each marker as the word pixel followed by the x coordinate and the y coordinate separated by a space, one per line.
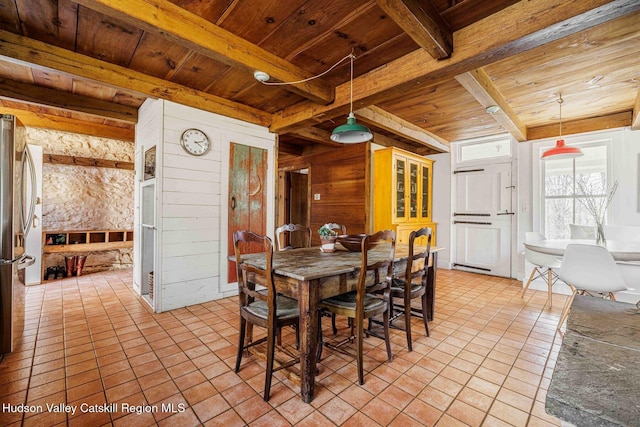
pixel 339 176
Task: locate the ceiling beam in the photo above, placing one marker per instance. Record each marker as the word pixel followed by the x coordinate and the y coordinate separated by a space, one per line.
pixel 47 97
pixel 515 29
pixel 635 121
pixel 423 23
pixel 386 141
pixel 376 116
pixel 178 25
pixel 572 127
pixel 25 51
pixel 314 134
pixel 478 83
pixel 72 125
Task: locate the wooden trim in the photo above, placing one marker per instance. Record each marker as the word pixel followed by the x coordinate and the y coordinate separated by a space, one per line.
pixel 314 134
pixel 423 23
pixel 85 161
pixel 487 41
pixel 478 83
pixel 178 25
pixel 591 124
pixel 635 121
pixel 19 49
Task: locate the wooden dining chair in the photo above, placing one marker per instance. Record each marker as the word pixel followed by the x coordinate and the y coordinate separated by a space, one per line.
pixel 292 236
pixel 268 309
pixel 363 303
pixel 413 284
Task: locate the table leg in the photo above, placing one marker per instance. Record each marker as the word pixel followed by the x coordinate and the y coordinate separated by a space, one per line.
pixel 308 303
pixel 431 284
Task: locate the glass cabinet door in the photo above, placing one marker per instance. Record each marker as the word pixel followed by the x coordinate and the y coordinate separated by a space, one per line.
pixel 400 192
pixel 424 202
pixel 413 190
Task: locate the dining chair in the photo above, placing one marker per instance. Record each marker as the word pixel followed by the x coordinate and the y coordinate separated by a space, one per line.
pixel 363 303
pixel 543 266
pixel 582 231
pixel 292 235
pixel 413 284
pixel 589 269
pixel 268 309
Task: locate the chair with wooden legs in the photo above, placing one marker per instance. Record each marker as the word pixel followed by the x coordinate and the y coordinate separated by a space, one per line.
pixel 264 309
pixel 543 266
pixel 591 270
pixel 414 283
pixel 292 236
pixel 363 303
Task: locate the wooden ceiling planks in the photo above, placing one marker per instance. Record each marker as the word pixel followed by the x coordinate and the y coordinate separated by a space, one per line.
pixel 314 34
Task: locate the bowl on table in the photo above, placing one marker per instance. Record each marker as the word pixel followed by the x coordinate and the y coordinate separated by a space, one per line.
pixel 351 242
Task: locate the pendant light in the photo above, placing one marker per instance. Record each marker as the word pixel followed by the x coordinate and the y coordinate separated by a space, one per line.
pixel 561 151
pixel 351 132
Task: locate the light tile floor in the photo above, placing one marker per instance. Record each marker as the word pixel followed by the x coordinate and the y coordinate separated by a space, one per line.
pixel 91 342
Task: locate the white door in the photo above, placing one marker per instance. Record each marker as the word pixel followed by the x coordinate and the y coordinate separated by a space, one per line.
pixel 482 218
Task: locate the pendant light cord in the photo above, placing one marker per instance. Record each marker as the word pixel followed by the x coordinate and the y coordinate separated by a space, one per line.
pixel 560 101
pixel 352 56
pixel 313 77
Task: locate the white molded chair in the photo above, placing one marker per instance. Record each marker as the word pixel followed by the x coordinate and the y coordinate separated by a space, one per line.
pixel 543 265
pixel 592 270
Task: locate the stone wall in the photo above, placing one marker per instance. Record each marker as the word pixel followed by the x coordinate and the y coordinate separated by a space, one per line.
pixel 78 198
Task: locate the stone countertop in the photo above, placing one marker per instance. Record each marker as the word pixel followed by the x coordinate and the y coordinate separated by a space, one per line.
pixel 596 380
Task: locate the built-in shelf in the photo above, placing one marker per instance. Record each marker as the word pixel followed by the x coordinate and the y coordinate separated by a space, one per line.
pixel 86 241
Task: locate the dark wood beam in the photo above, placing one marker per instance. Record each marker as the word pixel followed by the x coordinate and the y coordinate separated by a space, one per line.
pixel 22 50
pixel 515 29
pixel 423 23
pixel 480 85
pixel 86 161
pixel 572 127
pixel 178 25
pixel 44 96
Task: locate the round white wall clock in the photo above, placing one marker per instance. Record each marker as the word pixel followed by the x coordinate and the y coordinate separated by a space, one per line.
pixel 195 142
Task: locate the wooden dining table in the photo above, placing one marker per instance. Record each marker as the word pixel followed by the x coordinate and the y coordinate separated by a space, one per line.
pixel 310 275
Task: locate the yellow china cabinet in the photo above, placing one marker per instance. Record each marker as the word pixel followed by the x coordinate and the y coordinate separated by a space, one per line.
pixel 402 192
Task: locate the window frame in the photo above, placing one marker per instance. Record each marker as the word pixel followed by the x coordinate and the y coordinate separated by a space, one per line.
pixel 581 141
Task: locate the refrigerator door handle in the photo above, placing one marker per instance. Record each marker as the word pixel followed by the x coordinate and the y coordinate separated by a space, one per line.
pixel 27 260
pixel 15 260
pixel 27 162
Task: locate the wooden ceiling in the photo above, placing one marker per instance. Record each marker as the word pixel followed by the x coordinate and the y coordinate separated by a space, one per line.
pixel 425 70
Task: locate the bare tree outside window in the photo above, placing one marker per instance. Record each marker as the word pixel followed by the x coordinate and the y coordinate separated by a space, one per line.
pixel 562 197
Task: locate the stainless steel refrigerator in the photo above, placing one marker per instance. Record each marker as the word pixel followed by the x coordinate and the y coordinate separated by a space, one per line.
pixel 16 216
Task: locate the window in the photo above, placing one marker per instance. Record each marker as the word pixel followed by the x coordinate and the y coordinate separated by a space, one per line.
pixel 488 149
pixel 565 184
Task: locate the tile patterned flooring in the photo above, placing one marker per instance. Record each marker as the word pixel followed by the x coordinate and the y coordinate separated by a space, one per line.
pixel 91 342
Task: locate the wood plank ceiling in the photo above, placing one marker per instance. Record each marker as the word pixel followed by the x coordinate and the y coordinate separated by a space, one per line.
pixel 425 70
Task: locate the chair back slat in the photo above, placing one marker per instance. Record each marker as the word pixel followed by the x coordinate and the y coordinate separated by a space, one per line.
pixel 249 276
pixel 381 281
pixel 284 235
pixel 417 254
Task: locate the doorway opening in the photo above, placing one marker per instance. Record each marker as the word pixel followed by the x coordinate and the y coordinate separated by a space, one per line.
pixel 294 200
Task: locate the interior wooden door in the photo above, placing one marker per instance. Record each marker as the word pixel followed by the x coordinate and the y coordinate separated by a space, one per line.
pixel 247 195
pixel 483 219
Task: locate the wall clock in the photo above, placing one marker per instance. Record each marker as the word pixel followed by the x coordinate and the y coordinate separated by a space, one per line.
pixel 195 142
